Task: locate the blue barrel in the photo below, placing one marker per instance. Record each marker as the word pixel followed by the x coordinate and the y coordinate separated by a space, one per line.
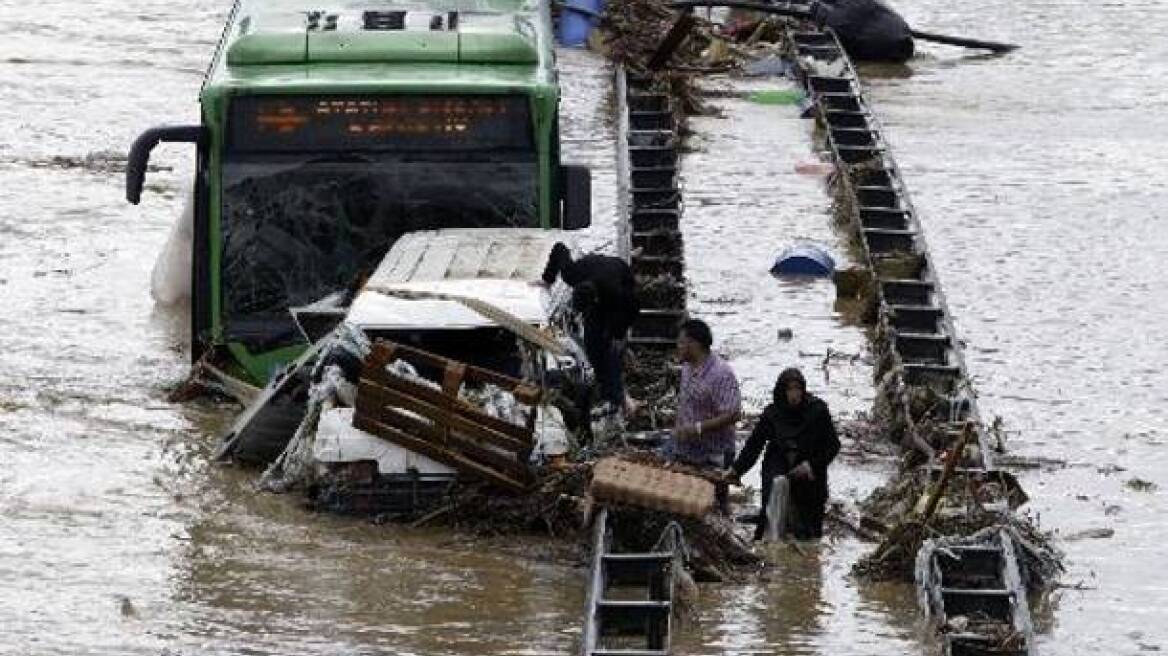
pixel 577 20
pixel 804 260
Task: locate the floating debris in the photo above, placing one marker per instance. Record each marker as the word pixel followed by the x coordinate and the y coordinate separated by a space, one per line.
pixel 777 97
pixel 1090 534
pixel 1140 485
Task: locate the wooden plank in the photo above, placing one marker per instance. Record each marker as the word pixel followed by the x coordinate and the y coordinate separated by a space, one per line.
pixel 381 410
pixel 530 394
pixel 460 408
pixel 380 355
pixel 458 423
pixel 472 372
pixel 411 354
pixel 452 376
pixel 437 453
pixel 370 399
pixel 385 352
pixel 478 374
pixel 674 38
pixel 439 414
pixel 511 462
pixel 514 467
pixel 407 420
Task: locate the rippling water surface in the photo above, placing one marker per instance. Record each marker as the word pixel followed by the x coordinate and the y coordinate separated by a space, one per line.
pixel 1040 181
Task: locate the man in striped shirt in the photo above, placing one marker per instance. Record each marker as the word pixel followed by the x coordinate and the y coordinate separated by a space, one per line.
pixel 709 403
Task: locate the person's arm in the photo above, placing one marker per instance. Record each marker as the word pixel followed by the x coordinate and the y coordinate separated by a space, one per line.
pixel 550 273
pixel 555 263
pixel 717 422
pixel 704 427
pixel 759 437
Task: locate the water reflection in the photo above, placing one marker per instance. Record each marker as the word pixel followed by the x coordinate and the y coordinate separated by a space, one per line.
pixel 887 70
pixel 796 587
pixel 805 603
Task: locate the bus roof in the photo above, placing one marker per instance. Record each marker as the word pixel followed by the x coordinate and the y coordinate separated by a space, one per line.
pixel 410 45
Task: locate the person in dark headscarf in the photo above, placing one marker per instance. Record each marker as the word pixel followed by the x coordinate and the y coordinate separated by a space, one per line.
pixel 800 440
pixel 604 292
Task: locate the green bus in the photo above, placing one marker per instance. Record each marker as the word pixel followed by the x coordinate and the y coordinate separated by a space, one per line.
pixel 326 135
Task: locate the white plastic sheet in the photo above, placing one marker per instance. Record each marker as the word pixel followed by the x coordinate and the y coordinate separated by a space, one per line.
pixel 170 281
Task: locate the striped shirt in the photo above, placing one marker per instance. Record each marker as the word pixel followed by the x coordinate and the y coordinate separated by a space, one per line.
pixel 706 392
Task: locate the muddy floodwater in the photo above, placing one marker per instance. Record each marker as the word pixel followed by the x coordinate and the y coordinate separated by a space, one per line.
pixel 1041 179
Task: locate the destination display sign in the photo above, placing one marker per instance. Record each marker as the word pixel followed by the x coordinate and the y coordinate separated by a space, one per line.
pixel 403 122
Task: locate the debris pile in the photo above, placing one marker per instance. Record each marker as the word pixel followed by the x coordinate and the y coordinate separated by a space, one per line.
pixel 717 553
pixel 560 505
pixel 652 376
pixel 917 506
pixel 635 30
pixel 462 439
pixel 645 35
pixel 555 506
pixel 664 290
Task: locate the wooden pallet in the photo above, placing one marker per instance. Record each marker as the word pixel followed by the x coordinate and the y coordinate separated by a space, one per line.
pixel 433 421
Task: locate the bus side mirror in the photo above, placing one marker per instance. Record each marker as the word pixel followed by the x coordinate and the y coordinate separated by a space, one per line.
pixel 139 156
pixel 576 181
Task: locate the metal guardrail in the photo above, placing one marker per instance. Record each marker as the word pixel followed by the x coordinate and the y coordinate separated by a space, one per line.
pixel 631 595
pixel 651 207
pixel 922 345
pixel 969 581
pixel 971 585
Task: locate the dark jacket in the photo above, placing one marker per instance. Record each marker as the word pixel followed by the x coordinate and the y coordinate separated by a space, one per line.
pixel 616 306
pixel 790 436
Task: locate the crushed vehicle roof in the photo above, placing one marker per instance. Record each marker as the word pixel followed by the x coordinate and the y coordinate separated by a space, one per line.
pixel 495 266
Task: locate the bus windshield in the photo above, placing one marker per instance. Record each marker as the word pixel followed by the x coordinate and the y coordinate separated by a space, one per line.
pixel 308 209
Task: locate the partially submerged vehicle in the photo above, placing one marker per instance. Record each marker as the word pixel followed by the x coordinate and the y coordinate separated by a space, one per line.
pixel 448 361
pixel 326 135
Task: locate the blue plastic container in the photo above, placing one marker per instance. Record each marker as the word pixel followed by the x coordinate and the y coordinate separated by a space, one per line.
pixel 577 20
pixel 804 260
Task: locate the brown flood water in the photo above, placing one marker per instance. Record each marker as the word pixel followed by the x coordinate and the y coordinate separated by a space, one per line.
pixel 1039 178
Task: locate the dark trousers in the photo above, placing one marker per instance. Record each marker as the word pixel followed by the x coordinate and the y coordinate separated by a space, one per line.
pixel 607 358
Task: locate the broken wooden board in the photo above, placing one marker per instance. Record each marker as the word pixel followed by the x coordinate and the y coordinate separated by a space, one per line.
pixel 619 481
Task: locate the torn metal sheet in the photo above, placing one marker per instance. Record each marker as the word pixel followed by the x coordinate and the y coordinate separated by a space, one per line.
pixel 262 431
